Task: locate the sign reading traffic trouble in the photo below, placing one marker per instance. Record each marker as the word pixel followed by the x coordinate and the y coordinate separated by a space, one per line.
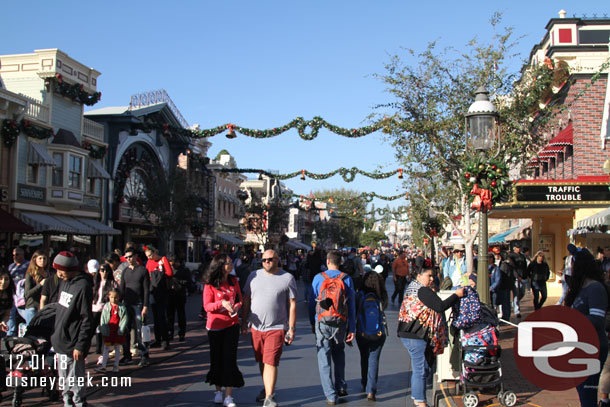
pixel 584 193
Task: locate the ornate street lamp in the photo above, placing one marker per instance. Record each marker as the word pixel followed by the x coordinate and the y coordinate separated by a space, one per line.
pixel 482 126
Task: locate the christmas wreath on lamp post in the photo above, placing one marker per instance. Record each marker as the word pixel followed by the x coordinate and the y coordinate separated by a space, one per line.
pixel 487 181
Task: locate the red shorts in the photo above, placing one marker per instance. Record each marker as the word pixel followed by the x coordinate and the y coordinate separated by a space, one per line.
pixel 268 346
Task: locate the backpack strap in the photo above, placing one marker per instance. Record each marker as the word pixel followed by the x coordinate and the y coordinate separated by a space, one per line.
pixel 324 275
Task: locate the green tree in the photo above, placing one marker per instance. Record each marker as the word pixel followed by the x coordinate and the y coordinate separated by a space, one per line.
pixel 372 238
pixel 169 203
pixel 426 120
pixel 349 209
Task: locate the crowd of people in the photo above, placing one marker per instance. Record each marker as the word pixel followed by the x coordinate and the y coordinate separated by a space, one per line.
pixel 110 301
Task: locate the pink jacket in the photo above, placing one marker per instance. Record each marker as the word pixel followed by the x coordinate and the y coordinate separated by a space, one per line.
pixel 218 316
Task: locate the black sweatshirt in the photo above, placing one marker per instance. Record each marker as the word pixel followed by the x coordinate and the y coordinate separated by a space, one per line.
pixel 135 286
pixel 74 319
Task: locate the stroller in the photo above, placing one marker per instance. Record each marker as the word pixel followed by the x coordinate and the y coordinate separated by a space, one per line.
pixel 31 359
pixel 480 365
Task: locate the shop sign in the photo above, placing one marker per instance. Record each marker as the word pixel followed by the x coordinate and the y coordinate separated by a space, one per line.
pixel 3 195
pixel 31 193
pixel 562 193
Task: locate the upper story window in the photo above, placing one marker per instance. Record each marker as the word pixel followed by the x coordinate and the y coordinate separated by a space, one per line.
pixel 75 173
pixel 58 170
pixel 32 173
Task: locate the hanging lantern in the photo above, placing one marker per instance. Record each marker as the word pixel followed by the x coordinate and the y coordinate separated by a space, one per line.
pixel 231 133
pixel 400 173
pixel 354 212
pixel 302 175
pixel 331 200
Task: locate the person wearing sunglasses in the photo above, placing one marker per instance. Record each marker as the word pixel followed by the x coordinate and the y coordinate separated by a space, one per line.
pixel 266 294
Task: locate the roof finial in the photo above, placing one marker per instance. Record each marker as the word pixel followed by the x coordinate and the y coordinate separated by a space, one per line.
pixel 562 13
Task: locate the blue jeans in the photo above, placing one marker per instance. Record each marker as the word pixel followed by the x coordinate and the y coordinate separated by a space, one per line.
pixel 420 371
pixel 17 315
pixel 539 287
pixel 587 391
pixel 564 290
pixel 370 352
pixel 518 293
pixel 330 345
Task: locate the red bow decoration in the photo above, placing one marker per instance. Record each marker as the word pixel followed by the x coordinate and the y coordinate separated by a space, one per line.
pixel 482 200
pixel 433 232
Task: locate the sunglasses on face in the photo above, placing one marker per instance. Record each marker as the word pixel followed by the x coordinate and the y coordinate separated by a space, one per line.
pixel 269 260
pixel 129 257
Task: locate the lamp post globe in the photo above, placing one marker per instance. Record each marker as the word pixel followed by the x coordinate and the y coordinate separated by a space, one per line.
pixel 482 116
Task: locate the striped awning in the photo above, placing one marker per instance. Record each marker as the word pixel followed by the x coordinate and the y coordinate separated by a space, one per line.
pixel 229 239
pixel 556 145
pixel 43 223
pixel 594 221
pixel 95 170
pixel 38 155
pixel 501 237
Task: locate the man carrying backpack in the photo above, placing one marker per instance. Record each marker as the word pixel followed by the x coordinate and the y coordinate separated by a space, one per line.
pixel 334 324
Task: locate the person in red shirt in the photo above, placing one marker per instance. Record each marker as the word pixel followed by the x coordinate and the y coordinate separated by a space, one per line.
pixel 160 271
pixel 222 300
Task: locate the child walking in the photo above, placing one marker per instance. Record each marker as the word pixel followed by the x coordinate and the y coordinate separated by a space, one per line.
pixel 113 323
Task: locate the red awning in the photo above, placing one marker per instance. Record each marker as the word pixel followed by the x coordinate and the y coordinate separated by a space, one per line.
pixel 9 223
pixel 556 145
pixel 564 138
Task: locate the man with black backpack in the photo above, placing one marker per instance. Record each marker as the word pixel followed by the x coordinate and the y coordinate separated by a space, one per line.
pixel 352 266
pixel 334 324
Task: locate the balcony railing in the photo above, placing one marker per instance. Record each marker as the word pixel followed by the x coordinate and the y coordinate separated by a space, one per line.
pixel 37 111
pixel 93 130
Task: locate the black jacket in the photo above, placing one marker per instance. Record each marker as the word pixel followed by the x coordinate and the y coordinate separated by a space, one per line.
pixel 520 264
pixel 538 271
pixel 74 319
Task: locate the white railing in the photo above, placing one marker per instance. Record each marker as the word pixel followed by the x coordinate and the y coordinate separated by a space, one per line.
pixel 36 110
pixel 93 129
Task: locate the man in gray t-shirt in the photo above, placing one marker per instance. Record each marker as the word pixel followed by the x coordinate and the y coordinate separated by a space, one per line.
pixel 270 309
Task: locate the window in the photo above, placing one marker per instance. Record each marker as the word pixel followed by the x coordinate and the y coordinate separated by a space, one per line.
pixel 74 174
pixel 33 174
pixel 91 186
pixel 58 170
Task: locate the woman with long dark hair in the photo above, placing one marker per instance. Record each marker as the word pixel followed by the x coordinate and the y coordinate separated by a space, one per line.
pixel 538 271
pixel 7 290
pixel 102 285
pixel 35 278
pixel 222 300
pixel 374 297
pixel 588 294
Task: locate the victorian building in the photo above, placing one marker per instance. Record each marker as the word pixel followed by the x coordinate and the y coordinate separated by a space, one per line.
pixel 53 176
pixel 566 182
pixel 148 140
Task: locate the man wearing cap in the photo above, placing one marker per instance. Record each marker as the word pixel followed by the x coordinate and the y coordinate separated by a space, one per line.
pixel 456 267
pixel 520 266
pixel 73 320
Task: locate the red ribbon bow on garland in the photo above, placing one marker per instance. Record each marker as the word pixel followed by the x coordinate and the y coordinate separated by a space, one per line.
pixel 482 200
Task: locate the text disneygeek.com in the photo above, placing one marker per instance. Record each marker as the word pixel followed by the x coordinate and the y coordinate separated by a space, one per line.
pixel 61 383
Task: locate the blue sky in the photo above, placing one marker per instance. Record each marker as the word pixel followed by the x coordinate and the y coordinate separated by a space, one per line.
pixel 259 64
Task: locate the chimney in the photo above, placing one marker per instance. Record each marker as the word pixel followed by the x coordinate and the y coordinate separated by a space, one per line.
pixel 562 13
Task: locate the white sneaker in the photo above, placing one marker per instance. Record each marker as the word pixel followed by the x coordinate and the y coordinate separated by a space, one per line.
pixel 218 397
pixel 99 360
pixel 229 402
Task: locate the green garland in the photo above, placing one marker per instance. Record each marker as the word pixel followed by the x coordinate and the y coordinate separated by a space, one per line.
pixel 348 174
pixel 487 174
pixel 367 196
pixel 11 129
pixel 76 92
pixel 299 123
pixel 95 152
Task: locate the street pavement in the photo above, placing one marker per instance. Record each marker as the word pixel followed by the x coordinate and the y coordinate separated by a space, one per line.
pixel 176 377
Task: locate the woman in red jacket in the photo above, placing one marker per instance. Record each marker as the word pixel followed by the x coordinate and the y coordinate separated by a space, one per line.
pixel 222 299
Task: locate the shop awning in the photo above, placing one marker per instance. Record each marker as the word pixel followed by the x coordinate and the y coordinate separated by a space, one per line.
pixel 594 221
pixel 229 239
pixel 295 244
pixel 9 223
pixel 520 233
pixel 97 171
pixel 99 227
pixel 501 237
pixel 43 223
pixel 556 145
pixel 38 155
